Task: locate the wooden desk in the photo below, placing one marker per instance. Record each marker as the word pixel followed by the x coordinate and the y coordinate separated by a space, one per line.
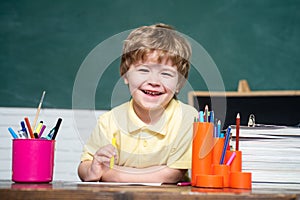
pixel 74 191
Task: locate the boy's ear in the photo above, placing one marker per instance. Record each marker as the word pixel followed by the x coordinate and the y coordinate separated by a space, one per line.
pixel 125 79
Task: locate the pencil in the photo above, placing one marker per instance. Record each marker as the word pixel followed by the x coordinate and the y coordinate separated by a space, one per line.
pixel 112 159
pixel 237 138
pixel 38 110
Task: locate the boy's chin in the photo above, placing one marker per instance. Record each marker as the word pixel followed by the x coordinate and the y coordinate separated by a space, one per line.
pixel 153 107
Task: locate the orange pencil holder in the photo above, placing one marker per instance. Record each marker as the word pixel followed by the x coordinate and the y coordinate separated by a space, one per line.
pixel 202 149
pixel 236 165
pixel 206 169
pixel 217 151
pixel 224 171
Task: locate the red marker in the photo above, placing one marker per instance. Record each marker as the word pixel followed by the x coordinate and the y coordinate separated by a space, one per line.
pixel 237 138
pixel 29 127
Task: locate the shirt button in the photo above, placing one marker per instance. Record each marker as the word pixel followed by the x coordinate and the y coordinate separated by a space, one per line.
pixel 145 143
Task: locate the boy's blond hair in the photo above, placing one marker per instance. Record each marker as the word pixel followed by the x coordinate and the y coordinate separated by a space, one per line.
pixel 159 37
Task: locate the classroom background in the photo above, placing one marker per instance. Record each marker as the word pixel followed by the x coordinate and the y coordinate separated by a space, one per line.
pixel 44 43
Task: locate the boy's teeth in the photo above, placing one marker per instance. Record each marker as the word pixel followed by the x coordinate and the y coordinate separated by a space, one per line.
pixel 152 93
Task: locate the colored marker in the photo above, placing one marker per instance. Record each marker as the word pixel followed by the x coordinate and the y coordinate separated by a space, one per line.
pixel 38 129
pixel 24 130
pixel 231 158
pixel 227 136
pixel 201 116
pixel 56 128
pixel 112 159
pixel 184 183
pixel 29 127
pixel 12 132
pixel 21 134
pixel 219 128
pixel 42 130
pixel 50 134
pixel 237 138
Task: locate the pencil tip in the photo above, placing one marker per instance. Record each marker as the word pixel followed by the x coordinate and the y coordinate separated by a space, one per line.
pixel 238 115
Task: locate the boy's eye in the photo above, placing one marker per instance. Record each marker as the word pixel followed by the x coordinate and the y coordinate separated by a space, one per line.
pixel 143 70
pixel 168 74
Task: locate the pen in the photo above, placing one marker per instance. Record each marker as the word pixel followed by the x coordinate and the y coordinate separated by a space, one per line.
pixel 24 129
pixel 56 128
pixel 215 131
pixel 29 127
pixel 227 136
pixel 12 132
pixel 212 120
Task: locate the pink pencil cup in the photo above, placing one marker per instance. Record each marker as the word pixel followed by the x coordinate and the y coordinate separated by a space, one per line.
pixel 32 160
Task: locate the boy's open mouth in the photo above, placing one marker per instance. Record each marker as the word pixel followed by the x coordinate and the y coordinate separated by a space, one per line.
pixel 152 93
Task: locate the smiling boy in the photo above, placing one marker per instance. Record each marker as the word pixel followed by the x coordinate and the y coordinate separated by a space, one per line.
pixel 153 130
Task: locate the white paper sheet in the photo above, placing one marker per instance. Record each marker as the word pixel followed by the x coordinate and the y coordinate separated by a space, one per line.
pixel 118 184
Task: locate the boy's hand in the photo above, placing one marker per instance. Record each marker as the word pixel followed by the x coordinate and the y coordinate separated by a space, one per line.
pixel 101 159
pixel 103 155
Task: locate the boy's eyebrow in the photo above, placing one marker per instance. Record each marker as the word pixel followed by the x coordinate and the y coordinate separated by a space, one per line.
pixel 156 64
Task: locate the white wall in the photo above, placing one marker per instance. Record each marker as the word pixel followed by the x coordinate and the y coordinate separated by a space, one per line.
pixel 75 128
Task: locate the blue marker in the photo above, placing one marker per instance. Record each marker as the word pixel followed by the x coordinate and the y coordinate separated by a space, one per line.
pixel 201 116
pixel 219 128
pixel 212 117
pixel 50 134
pixel 24 130
pixel 12 132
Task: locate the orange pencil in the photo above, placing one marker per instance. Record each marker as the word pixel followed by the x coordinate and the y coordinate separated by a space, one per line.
pixel 237 138
pixel 29 127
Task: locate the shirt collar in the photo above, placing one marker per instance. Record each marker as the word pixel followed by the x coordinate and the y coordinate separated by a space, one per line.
pixel 136 124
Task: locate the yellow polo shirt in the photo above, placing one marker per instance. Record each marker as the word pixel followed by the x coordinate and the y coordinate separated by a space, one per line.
pixel 168 142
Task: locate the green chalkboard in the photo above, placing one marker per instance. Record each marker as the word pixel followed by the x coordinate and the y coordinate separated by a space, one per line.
pixel 45 44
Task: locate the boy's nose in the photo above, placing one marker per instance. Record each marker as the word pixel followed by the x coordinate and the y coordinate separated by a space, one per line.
pixel 153 79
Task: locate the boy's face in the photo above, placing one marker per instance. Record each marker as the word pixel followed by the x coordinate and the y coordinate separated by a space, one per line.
pixel 152 85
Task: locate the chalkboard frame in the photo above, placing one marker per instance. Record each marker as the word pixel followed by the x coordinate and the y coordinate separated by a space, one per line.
pixel 269 107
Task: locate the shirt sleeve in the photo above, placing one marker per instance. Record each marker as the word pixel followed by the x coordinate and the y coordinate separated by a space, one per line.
pixel 97 139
